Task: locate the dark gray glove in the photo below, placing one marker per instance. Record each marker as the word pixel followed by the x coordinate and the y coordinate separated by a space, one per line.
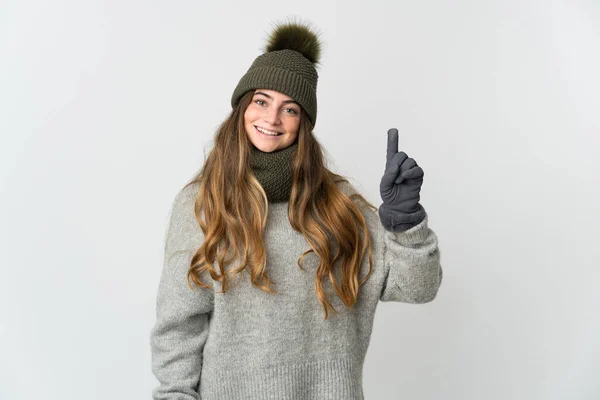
pixel 400 189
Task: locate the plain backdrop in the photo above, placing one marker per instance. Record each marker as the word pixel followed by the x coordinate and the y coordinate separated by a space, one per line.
pixel 108 107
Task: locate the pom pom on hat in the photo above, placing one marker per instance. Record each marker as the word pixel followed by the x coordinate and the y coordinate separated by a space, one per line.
pixel 295 36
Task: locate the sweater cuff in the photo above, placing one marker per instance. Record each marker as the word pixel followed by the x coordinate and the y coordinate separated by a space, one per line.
pixel 396 221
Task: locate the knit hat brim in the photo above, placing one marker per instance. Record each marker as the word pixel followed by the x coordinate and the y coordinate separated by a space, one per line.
pixel 281 80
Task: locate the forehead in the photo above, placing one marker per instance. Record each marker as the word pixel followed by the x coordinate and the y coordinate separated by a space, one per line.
pixel 274 94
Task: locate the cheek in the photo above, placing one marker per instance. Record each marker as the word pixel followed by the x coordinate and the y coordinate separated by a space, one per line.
pixel 249 115
pixel 294 125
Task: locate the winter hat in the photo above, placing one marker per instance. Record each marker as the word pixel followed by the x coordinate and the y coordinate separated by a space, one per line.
pixel 288 65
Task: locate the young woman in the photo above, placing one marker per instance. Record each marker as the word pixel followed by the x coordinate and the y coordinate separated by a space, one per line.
pixel 274 265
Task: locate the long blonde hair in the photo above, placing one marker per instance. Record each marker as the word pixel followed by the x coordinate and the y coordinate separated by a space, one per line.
pixel 231 209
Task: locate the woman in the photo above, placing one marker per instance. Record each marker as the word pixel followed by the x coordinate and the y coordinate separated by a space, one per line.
pixel 274 265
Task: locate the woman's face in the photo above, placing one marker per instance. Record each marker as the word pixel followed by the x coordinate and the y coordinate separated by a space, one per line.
pixel 271 112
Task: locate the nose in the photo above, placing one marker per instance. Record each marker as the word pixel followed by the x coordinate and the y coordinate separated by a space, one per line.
pixel 272 116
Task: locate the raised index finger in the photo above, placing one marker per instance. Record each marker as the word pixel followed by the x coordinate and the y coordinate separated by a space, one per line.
pixel 392 143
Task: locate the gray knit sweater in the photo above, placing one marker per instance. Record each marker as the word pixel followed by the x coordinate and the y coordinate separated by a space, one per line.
pixel 247 344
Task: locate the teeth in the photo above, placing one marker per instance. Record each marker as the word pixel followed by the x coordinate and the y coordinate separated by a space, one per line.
pixel 266 132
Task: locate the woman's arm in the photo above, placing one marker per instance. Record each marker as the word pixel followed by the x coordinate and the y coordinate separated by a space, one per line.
pixel 410 249
pixel 412 261
pixel 182 314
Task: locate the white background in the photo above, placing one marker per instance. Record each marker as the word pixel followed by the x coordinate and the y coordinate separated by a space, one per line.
pixel 107 108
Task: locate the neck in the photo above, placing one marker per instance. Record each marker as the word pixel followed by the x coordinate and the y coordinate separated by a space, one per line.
pixel 274 171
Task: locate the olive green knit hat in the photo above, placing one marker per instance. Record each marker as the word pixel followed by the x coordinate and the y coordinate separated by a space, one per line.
pixel 288 65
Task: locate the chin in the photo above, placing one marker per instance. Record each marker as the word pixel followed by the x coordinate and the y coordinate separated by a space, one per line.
pixel 266 148
pixel 269 146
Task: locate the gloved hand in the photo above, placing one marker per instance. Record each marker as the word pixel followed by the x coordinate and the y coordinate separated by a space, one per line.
pixel 400 189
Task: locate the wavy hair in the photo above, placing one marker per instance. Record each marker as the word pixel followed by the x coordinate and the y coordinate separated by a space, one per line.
pixel 231 209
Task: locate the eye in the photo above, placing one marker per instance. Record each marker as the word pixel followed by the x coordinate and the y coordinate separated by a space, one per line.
pixel 259 102
pixel 291 111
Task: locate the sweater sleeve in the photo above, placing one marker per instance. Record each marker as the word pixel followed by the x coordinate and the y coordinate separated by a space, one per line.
pixel 411 259
pixel 182 314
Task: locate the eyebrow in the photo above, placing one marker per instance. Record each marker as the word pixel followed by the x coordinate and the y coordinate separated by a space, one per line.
pixel 271 98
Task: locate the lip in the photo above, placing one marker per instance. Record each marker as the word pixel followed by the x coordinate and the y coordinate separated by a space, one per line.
pixel 264 134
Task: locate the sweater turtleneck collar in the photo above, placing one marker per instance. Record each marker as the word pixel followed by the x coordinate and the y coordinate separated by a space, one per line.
pixel 274 171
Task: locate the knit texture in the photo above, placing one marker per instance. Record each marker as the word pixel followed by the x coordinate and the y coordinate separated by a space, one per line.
pixel 285 71
pixel 247 344
pixel 274 171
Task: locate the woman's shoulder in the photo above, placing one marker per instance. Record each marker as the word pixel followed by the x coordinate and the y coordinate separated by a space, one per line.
pixel 187 194
pixel 182 206
pixel 184 231
pixel 356 194
pixel 346 186
pixel 349 187
pixel 354 191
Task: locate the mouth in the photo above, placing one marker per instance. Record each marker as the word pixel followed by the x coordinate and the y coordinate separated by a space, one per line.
pixel 266 132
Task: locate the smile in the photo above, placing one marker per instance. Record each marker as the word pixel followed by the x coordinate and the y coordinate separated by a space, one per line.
pixel 267 132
